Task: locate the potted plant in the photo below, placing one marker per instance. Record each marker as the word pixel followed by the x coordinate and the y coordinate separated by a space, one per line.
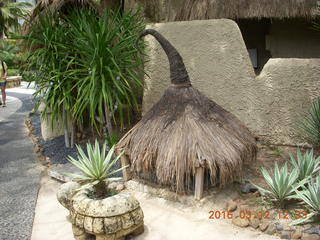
pixel 95 209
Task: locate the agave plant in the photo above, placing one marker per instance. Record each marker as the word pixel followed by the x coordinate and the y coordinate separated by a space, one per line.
pixel 306 164
pixel 282 184
pixel 96 167
pixel 310 124
pixel 311 196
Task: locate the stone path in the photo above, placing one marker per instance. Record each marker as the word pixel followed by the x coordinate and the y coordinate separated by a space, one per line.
pixel 19 172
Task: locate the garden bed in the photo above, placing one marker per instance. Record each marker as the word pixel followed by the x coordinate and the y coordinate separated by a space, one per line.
pixel 238 203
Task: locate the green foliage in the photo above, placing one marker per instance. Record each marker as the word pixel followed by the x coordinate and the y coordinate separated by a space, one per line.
pixel 282 184
pixel 107 62
pixel 9 13
pixel 306 164
pixel 309 125
pixel 86 63
pixel 113 139
pixel 95 166
pixel 310 195
pixel 9 52
pixel 49 55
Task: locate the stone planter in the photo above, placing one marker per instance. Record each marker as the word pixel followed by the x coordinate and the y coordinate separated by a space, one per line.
pixel 111 218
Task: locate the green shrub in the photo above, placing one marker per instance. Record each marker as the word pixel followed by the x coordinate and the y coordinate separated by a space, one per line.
pixel 306 164
pixel 310 195
pixel 13 72
pixel 282 184
pixel 309 125
pixel 96 167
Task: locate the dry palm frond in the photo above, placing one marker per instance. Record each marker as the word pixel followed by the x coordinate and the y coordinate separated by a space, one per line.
pixel 208 9
pixel 185 130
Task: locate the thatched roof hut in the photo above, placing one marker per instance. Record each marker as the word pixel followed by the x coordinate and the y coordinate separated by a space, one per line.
pixel 56 5
pixel 236 9
pixel 184 10
pixel 184 131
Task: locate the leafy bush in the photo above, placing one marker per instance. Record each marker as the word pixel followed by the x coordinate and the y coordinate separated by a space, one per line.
pixel 311 196
pixel 9 53
pixel 96 167
pixel 282 184
pixel 306 164
pixel 309 125
pixel 88 62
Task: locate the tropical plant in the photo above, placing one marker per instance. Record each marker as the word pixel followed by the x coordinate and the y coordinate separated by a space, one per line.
pixel 96 168
pixel 47 42
pixel 9 51
pixel 309 124
pixel 306 164
pixel 282 184
pixel 107 64
pixel 89 64
pixel 310 195
pixel 10 11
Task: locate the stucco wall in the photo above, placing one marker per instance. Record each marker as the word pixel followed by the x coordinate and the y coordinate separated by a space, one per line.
pixel 284 92
pixel 219 66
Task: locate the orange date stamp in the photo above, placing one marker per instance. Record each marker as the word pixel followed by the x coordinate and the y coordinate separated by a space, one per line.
pixel 263 214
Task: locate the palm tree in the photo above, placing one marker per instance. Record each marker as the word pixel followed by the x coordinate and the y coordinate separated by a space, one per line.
pixel 9 14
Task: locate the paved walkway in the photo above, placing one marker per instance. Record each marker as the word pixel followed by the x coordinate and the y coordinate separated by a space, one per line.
pixel 19 172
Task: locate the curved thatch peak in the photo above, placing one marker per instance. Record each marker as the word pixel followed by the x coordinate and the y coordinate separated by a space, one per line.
pixel 185 130
pixel 178 72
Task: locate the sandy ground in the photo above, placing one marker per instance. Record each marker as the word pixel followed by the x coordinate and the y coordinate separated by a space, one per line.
pixel 164 220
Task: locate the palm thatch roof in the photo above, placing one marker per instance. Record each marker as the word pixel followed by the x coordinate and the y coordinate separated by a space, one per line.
pixel 236 9
pixel 55 5
pixel 186 130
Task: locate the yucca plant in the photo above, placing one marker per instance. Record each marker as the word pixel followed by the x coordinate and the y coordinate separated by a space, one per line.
pixel 96 168
pixel 310 195
pixel 48 54
pixel 307 164
pixel 107 64
pixel 282 183
pixel 309 125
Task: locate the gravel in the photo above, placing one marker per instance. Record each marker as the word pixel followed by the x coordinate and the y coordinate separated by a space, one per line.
pixel 55 148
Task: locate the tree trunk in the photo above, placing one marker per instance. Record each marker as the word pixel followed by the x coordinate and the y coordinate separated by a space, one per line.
pixel 100 190
pixel 110 4
pixel 65 126
pixel 72 137
pixel 108 121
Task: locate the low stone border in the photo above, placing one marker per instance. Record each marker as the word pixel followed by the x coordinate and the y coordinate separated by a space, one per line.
pixel 271 226
pixel 38 150
pixel 13 81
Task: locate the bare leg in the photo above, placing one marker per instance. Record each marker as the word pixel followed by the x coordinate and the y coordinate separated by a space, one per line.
pixel 3 92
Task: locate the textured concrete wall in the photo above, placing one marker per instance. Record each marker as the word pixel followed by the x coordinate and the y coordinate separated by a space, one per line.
pixel 216 59
pixel 285 90
pixel 219 66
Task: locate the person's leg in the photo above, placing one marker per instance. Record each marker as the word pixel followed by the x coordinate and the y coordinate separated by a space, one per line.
pixel 3 92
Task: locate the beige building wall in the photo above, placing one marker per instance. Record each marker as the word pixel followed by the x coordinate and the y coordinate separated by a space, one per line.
pixel 219 66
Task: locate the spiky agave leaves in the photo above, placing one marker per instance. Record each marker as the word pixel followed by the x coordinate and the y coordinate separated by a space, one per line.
pixel 309 125
pixel 95 166
pixel 306 164
pixel 311 196
pixel 282 184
